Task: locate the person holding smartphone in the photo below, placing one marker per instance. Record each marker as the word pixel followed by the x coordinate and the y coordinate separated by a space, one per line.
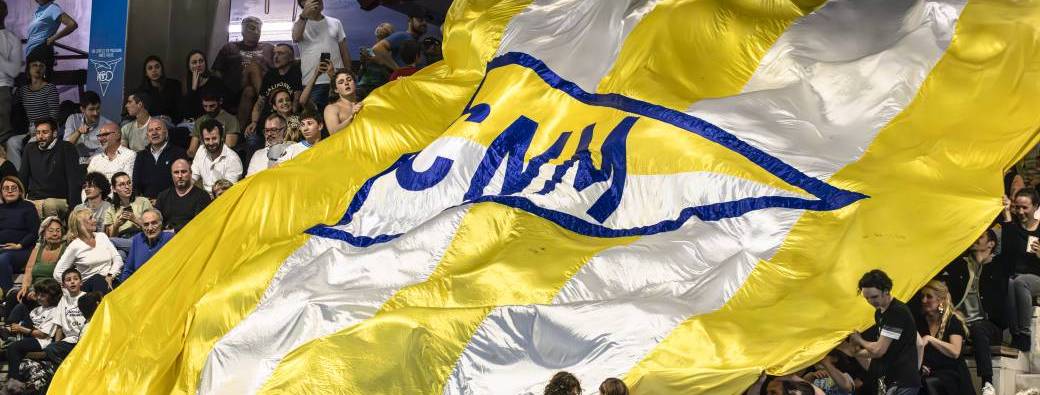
pixel 1021 248
pixel 323 47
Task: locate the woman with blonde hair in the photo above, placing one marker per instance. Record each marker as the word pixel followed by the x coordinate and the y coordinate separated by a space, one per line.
pixel 90 252
pixel 44 258
pixel 943 332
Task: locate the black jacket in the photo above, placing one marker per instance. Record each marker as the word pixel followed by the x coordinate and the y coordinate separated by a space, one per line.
pixel 52 173
pixel 993 285
pixel 151 176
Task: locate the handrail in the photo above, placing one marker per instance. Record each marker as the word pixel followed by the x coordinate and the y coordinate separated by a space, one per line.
pixel 79 53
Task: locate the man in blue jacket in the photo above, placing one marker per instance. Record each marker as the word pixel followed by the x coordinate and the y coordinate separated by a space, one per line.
pixel 145 244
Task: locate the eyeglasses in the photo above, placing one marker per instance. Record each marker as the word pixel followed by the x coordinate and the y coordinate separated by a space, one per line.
pixel 104 134
pixel 274 130
pixel 11 188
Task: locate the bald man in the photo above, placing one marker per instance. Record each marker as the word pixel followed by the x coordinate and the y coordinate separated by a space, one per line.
pixel 152 166
pixel 181 203
pixel 114 157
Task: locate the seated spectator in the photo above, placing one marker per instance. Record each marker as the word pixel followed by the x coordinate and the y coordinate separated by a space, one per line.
pixel 151 173
pixel 199 80
pixel 1019 228
pixel 409 54
pixel 90 252
pixel 344 105
pixel 181 203
pixel 310 127
pixel 242 65
pixel 44 257
pixel 69 318
pixel 82 129
pixel 166 92
pixel 51 172
pixel 40 100
pixel 211 104
pixel 7 168
pixel 274 136
pixel 790 385
pixel 322 40
pixel 322 72
pixel 281 103
pixel 39 330
pixel 215 160
pixel 286 75
pixel 114 158
pixel 613 386
pixel 220 187
pixel 19 224
pixel 144 245
pixel 944 370
pixel 96 190
pixel 563 383
pixel 837 373
pixel 123 220
pixel 11 64
pixel 135 133
pixel 388 51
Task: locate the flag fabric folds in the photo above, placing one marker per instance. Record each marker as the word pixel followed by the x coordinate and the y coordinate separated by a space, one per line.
pixel 681 194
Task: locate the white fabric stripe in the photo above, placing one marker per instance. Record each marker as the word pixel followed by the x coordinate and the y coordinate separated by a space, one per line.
pixel 797 107
pixel 322 288
pixel 578 39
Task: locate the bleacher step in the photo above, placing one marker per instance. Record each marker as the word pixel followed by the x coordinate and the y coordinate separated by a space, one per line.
pixel 1026 381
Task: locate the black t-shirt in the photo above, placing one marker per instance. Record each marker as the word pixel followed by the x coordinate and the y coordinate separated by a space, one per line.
pixel 177 210
pixel 8 169
pixel 293 80
pixel 1013 242
pixel 933 358
pixel 899 364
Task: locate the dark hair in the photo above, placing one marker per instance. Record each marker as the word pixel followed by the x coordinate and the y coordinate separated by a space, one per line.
pixel 409 51
pixel 88 304
pixel 563 383
pixel 37 56
pixel 613 386
pixel 211 95
pixel 49 121
pixel 71 270
pixel 89 98
pixel 48 287
pixel 1029 193
pixel 291 49
pixel 991 235
pixel 310 112
pixel 115 199
pixel 187 65
pixel 797 388
pixel 876 279
pixel 144 70
pixel 273 93
pixel 210 124
pixel 142 97
pixel 333 96
pixel 99 181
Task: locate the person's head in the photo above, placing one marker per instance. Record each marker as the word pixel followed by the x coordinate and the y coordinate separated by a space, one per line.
pixel 221 186
pixel 613 386
pixel 311 124
pixel 35 68
pixel 876 288
pixel 72 279
pixel 431 49
pixel 935 297
pixel 90 105
pixel 281 101
pixel 88 304
pixel 51 230
pixel 563 383
pixel 180 170
pixel 196 62
pixel 283 55
pixel 212 136
pixel 81 224
pixel 274 129
pixel 11 190
pixel 384 30
pixel 345 85
pixel 1024 205
pixel 123 187
pixel 153 69
pixel 320 3
pixel 151 223
pixel 211 101
pixel 409 52
pixel 986 243
pixel 157 132
pixel 42 2
pixel 785 387
pixel 96 186
pixel 251 26
pixel 46 131
pixel 109 135
pixel 417 25
pixel 138 104
pixel 48 292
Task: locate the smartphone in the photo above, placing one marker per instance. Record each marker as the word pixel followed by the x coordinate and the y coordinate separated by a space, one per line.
pixel 1029 244
pixel 325 56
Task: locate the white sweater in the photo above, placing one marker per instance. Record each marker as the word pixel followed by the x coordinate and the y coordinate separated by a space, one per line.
pixel 11 60
pixel 103 259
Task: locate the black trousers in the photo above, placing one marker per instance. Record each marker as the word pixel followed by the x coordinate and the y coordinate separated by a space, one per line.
pixel 984 334
pixel 16 352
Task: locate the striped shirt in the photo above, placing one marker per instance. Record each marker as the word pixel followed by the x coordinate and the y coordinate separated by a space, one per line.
pixel 38 104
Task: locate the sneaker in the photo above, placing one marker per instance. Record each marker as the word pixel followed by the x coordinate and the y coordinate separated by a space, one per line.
pixel 987 389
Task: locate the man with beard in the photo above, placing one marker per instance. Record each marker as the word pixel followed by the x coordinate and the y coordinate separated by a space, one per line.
pixel 241 64
pixel 286 74
pixel 82 129
pixel 215 160
pixel 1019 236
pixel 274 134
pixel 151 173
pixel 388 50
pixel 144 245
pixel 51 172
pixel 211 104
pixel 182 202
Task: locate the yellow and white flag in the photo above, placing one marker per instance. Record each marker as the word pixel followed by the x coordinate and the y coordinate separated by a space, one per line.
pixel 682 194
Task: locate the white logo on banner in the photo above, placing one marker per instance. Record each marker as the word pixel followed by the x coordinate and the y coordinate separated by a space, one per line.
pixel 106 61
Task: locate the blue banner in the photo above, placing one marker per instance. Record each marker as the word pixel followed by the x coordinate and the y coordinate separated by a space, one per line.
pixel 108 54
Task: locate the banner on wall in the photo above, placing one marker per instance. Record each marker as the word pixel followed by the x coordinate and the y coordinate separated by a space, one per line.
pixel 108 54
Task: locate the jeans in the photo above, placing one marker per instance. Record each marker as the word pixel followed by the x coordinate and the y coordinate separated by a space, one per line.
pixel 14 147
pixel 12 261
pixel 984 334
pixel 902 390
pixel 1022 290
pixel 96 283
pixel 122 245
pixel 16 352
pixel 319 96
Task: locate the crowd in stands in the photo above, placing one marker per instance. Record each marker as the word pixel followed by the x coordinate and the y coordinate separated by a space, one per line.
pixel 87 200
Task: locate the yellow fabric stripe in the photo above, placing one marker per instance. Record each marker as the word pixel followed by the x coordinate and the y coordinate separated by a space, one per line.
pixel 499 256
pixel 153 334
pixel 688 50
pixel 934 177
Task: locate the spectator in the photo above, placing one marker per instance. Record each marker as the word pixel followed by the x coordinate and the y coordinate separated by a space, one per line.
pixel 96 189
pixel 211 104
pixel 135 132
pixel 789 385
pixel 563 383
pixel 7 168
pixel 45 255
pixel 978 284
pixel 384 30
pixel 51 171
pixel 11 63
pixel 82 129
pixel 388 51
pixel 319 37
pixel 215 160
pixel 151 172
pixel 144 245
pixel 274 135
pixel 431 51
pixel 39 98
pixel 894 356
pixel 166 92
pixel 310 127
pixel 242 65
pixel 123 220
pixel 1018 236
pixel 43 31
pixel 220 187
pixel 19 224
pixel 114 157
pixel 92 253
pixel 409 55
pixel 323 71
pixel 613 386
pixel 943 331
pixel 39 329
pixel 181 203
pixel 281 102
pixel 836 374
pixel 286 75
pixel 344 106
pixel 69 318
pixel 199 80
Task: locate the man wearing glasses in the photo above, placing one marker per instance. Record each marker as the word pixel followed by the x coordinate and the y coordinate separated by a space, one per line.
pixel 274 133
pixel 115 157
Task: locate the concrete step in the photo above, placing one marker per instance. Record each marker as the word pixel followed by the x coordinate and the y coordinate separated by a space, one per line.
pixel 1026 381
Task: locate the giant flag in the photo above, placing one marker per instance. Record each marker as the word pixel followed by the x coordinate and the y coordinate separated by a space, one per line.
pixel 679 193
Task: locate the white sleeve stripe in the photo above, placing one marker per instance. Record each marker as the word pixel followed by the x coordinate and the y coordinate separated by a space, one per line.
pixel 894 335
